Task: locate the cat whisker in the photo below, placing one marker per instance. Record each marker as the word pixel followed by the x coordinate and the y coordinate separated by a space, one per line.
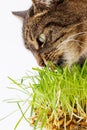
pixel 78 42
pixel 69 39
pixel 83 22
pixel 76 35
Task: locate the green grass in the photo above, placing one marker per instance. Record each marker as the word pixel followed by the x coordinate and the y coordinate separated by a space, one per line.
pixel 51 90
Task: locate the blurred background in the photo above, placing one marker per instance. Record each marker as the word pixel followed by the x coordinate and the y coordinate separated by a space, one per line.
pixel 15 59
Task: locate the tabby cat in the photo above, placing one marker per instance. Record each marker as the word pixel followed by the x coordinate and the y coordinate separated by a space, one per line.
pixel 56 30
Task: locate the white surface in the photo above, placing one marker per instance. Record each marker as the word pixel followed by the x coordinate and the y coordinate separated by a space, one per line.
pixel 15 59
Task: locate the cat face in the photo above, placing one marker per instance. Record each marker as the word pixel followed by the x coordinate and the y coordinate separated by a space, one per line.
pixel 56 31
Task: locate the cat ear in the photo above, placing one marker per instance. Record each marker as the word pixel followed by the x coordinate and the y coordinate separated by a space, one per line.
pixel 21 14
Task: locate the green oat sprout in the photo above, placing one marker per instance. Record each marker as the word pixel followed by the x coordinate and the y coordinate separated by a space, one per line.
pixel 52 95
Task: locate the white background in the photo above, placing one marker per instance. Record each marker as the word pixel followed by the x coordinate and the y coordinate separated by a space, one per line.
pixel 15 59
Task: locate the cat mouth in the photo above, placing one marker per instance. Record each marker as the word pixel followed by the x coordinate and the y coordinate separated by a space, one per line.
pixel 60 62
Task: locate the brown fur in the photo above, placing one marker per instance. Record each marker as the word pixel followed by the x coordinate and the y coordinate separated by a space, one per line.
pixel 64 23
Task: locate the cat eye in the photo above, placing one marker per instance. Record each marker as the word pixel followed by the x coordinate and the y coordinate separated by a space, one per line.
pixel 41 39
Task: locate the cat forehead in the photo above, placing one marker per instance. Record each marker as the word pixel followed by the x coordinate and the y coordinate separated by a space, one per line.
pixel 47 2
pixel 43 4
pixel 40 5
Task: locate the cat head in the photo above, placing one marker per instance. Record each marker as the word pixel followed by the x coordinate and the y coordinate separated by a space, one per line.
pixel 55 30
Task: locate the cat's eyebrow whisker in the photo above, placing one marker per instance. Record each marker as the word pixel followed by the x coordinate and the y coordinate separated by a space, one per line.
pixel 80 33
pixel 80 23
pixel 78 42
pixel 83 22
pixel 62 43
pixel 73 26
pixel 71 38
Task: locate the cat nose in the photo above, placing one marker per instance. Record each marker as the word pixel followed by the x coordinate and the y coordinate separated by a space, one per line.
pixel 39 60
pixel 41 63
pixel 37 56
